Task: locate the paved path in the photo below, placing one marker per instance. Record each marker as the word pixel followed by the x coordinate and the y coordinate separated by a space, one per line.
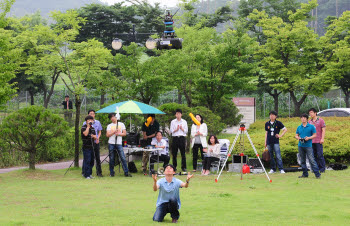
pixel 48 166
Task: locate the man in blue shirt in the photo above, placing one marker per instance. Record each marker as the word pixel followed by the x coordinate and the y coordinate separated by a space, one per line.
pixel 96 151
pixel 305 133
pixel 169 196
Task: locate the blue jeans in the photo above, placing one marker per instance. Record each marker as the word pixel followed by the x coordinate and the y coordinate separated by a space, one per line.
pixel 318 154
pixel 167 207
pixel 112 151
pixel 87 168
pixel 303 151
pixel 275 148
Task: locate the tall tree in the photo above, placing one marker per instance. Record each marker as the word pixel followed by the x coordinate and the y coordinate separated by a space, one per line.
pixel 8 55
pixel 337 42
pixel 293 55
pixel 27 39
pixel 80 60
pixel 278 8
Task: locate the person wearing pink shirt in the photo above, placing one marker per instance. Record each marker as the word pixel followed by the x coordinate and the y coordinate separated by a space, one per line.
pixel 317 143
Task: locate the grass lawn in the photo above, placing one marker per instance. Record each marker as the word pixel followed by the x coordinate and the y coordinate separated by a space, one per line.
pixel 47 197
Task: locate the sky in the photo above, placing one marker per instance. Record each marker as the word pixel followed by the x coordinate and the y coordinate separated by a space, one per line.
pixel 163 3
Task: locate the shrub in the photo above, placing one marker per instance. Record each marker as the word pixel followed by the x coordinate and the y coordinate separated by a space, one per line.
pixel 30 129
pixel 228 112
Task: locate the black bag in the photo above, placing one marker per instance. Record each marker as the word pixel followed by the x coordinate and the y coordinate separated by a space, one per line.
pixel 338 166
pixel 132 167
pixel 133 138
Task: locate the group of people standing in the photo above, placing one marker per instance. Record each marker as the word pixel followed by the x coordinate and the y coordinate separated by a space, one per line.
pixel 91 132
pixel 178 129
pixel 310 134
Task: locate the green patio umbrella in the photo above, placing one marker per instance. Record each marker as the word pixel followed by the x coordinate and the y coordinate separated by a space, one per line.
pixel 130 107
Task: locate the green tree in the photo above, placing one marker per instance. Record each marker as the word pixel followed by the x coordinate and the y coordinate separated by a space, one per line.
pixel 82 61
pixel 29 129
pixel 31 34
pixel 191 16
pixel 145 75
pixel 8 55
pixel 103 22
pixel 227 67
pixel 337 42
pixel 273 8
pixel 293 56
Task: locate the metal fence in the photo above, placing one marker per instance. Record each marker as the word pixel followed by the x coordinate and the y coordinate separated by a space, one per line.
pixel 264 102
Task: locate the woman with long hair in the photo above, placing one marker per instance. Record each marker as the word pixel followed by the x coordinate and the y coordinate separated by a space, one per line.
pixel 211 154
pixel 199 139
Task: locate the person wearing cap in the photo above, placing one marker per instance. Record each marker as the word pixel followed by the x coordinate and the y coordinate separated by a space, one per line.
pixel 169 194
pixel 67 104
pixel 179 129
pixel 148 134
pixel 272 137
pixel 115 131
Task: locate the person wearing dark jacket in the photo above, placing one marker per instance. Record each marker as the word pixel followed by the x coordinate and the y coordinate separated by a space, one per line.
pixel 88 135
pixel 67 104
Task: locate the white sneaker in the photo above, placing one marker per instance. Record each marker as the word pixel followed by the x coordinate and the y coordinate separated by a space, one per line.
pixel 282 171
pixel 87 178
pixel 271 171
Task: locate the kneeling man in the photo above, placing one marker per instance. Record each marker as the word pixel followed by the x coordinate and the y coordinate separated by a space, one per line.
pixel 169 194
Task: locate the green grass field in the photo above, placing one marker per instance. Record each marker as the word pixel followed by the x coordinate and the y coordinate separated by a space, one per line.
pixel 49 198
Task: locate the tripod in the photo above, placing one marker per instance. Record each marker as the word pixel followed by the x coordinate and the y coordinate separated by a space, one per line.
pixel 240 133
pixel 118 157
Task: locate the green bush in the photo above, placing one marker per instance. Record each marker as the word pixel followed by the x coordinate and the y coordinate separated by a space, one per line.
pixel 228 112
pixel 58 148
pixel 30 129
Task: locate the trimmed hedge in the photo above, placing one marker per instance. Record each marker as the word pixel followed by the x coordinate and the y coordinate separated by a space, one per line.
pixel 336 146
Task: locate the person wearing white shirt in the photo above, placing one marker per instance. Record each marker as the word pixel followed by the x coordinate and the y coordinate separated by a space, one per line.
pixel 115 131
pixel 211 154
pixel 163 155
pixel 199 139
pixel 179 129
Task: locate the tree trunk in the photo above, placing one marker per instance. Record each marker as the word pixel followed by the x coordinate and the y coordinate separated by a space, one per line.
pixel 346 99
pixel 32 160
pixel 275 99
pixel 77 130
pixel 275 96
pixel 31 97
pixel 297 104
pixel 179 97
pixel 53 82
pixel 102 100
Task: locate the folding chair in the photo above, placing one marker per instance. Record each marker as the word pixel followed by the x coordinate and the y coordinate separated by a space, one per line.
pixel 225 144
